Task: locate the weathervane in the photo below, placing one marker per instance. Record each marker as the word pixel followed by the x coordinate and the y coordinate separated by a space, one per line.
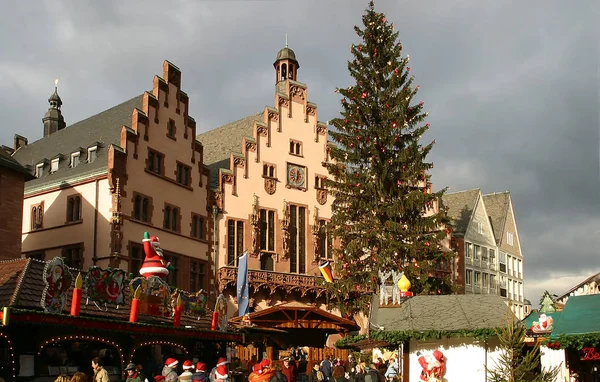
pixel 286 44
pixel 56 83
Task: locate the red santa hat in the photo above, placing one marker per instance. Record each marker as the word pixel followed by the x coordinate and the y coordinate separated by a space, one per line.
pixel 257 368
pixel 265 363
pixel 171 362
pixel 438 355
pixel 222 372
pixel 201 367
pixel 222 361
pixel 153 264
pixel 187 365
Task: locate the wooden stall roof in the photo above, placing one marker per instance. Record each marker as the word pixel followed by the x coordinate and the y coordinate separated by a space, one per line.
pixel 22 284
pixel 298 315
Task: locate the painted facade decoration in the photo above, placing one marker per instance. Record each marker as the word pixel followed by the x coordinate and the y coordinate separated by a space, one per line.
pixel 155 295
pixel 105 286
pixel 433 366
pixel 58 279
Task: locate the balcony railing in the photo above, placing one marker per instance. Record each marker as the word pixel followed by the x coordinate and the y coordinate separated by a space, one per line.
pixel 287 282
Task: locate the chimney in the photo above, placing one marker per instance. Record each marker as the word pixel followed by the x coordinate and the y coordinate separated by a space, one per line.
pixel 20 141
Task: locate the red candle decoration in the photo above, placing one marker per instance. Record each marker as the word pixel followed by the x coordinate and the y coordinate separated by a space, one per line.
pixel 76 298
pixel 177 317
pixel 215 320
pixel 135 305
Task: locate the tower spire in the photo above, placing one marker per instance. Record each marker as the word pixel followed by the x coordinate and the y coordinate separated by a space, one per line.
pixel 286 44
pixel 53 119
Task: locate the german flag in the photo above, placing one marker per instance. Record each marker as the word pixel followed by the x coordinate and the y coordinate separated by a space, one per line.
pixel 326 271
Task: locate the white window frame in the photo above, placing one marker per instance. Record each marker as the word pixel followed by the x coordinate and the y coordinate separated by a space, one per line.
pixel 39 170
pixel 54 165
pixel 480 227
pixel 510 239
pixel 73 156
pixel 90 150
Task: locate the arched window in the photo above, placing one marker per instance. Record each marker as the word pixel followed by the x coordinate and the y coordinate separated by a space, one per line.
pixel 283 71
pixel 167 222
pixel 34 217
pixel 73 208
pixel 145 209
pixel 174 219
pixel 137 207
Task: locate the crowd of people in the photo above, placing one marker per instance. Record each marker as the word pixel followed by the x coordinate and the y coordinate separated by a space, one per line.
pixel 289 370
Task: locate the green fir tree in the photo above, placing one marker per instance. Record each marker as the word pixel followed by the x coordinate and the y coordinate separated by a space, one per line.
pixel 517 363
pixel 379 176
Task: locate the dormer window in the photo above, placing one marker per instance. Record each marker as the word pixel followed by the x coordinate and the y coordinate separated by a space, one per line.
pixel 92 151
pixel 74 159
pixel 54 165
pixel 39 170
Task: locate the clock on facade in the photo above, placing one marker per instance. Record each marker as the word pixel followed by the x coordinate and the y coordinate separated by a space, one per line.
pixel 296 176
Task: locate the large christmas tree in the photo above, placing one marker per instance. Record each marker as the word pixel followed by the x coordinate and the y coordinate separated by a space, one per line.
pixel 383 211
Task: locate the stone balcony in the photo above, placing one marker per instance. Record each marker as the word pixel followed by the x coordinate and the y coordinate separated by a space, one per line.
pixel 273 281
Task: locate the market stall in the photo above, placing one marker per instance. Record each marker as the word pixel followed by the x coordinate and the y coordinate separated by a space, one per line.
pixel 56 319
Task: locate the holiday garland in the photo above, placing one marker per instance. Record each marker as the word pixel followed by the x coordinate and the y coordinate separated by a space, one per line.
pixel 573 341
pixel 396 338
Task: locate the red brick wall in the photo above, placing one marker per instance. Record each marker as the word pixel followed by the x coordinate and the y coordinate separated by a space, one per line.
pixel 11 210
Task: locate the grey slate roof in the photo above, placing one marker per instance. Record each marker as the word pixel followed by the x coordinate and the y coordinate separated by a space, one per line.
pixel 221 142
pixel 447 312
pixel 104 128
pixel 9 162
pixel 496 205
pixel 460 208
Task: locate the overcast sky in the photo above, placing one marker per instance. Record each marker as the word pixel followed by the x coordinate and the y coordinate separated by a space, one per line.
pixel 511 87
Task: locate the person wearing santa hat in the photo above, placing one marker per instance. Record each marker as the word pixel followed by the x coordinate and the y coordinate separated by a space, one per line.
pixel 220 373
pixel 186 376
pixel 201 374
pixel 154 263
pixel 170 370
pixel 255 374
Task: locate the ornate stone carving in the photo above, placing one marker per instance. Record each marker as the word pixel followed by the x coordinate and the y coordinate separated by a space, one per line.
pixel 240 162
pixel 216 199
pixel 315 236
pixel 261 130
pixel 270 185
pixel 273 282
pixel 273 116
pixel 321 129
pixel 297 91
pixel 116 236
pixel 283 102
pixel 285 226
pixel 322 196
pixel 227 178
pixel 255 222
pixel 310 110
pixel 251 146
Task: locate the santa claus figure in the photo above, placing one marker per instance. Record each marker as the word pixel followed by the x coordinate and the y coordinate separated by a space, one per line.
pixel 433 366
pixel 154 263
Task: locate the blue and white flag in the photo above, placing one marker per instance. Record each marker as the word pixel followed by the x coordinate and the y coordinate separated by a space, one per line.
pixel 243 292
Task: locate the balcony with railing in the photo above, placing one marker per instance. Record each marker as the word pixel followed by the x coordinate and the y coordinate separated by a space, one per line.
pixel 287 282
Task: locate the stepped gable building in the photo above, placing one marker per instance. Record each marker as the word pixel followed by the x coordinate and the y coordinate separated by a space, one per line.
pixel 270 197
pixel 486 239
pixel 101 182
pixel 12 183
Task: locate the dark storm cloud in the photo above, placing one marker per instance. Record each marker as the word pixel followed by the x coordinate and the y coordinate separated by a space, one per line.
pixel 511 87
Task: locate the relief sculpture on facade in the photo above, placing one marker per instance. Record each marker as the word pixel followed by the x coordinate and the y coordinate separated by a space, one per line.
pixel 285 225
pixel 270 185
pixel 322 196
pixel 255 221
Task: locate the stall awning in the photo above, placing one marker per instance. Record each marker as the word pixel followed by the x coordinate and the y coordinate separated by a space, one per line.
pixel 580 316
pixel 298 315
